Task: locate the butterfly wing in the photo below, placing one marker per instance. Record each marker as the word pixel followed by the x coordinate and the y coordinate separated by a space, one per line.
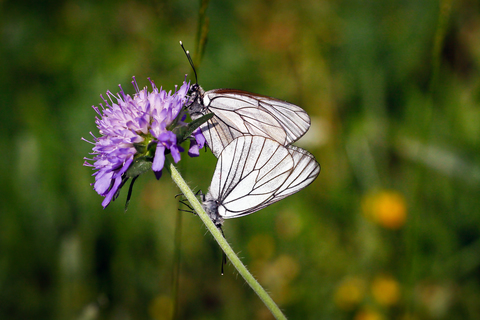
pixel 239 113
pixel 253 172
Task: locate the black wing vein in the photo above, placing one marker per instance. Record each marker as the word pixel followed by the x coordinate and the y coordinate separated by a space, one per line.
pixel 293 171
pixel 272 118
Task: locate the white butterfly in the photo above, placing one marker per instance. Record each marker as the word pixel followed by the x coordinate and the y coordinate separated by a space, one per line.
pixel 253 172
pixel 238 113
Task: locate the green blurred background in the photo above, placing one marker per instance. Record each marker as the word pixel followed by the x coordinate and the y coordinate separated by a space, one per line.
pixel 389 230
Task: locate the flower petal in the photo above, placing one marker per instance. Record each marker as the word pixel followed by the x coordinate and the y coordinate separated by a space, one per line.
pixel 194 150
pixel 159 159
pixel 102 183
pixel 198 135
pixel 168 137
pixel 175 153
pixel 111 193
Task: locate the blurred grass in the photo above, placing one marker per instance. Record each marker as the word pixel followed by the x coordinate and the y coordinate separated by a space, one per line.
pixel 393 89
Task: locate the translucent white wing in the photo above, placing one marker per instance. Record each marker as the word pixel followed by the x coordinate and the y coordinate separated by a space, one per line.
pixel 239 113
pixel 253 172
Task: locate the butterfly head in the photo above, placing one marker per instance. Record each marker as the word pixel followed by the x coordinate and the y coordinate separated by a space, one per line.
pixel 195 106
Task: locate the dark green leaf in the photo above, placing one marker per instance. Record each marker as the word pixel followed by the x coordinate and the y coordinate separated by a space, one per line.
pixel 192 126
pixel 183 133
pixel 130 189
pixel 139 166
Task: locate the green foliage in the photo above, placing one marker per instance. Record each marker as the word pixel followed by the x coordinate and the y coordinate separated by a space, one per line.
pixel 389 229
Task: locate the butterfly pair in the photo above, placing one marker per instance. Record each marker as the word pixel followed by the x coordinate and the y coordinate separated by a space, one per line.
pixel 250 134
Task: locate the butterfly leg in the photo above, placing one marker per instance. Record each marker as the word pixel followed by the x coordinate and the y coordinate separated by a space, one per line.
pixel 201 195
pixel 198 194
pixel 224 256
pixel 183 201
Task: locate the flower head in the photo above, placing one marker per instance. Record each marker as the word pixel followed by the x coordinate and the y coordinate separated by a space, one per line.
pixel 137 130
pixel 387 208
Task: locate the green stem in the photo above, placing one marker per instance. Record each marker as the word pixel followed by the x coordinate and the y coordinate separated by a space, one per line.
pixel 267 300
pixel 202 33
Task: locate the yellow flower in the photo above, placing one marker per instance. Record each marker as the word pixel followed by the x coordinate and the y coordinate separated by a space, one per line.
pixel 387 208
pixel 368 314
pixel 349 293
pixel 385 290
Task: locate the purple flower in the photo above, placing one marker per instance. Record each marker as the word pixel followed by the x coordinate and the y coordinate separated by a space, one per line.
pixel 134 129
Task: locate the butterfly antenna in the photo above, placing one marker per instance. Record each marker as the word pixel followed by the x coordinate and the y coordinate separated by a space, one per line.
pixel 187 53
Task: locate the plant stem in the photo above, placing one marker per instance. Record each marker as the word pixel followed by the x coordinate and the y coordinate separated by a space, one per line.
pixel 237 263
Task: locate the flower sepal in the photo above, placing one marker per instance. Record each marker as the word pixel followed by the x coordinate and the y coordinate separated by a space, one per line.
pixel 184 132
pixel 139 166
pixel 141 148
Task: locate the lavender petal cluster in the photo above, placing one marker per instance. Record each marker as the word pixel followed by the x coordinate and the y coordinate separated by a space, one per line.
pixel 133 127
